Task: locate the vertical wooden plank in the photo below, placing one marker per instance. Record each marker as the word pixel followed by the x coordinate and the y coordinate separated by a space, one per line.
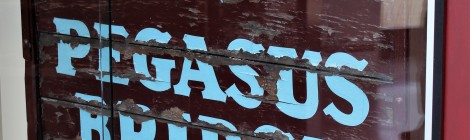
pixel 29 54
pixel 457 67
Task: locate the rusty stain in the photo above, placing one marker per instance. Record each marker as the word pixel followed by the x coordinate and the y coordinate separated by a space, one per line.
pixel 277 135
pixel 224 57
pixel 269 83
pixel 218 126
pixel 130 106
pixel 139 119
pixel 86 106
pixel 174 113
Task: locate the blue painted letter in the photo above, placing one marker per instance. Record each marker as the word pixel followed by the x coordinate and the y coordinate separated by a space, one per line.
pixel 163 70
pixel 177 132
pixel 147 130
pixel 104 66
pixel 65 50
pixel 195 42
pixel 347 90
pixel 206 75
pixel 103 31
pixel 208 135
pixel 162 66
pixel 88 123
pixel 285 90
pixel 148 34
pixel 245 73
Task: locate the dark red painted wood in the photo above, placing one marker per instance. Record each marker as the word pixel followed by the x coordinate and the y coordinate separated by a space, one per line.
pixel 391 80
pixel 28 23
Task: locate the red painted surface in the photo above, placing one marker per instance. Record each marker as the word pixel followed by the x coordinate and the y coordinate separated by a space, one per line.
pixel 457 68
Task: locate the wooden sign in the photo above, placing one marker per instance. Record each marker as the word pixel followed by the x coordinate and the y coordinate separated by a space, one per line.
pixel 225 69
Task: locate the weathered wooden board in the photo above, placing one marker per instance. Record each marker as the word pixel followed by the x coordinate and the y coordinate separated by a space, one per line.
pixel 385 105
pixel 313 69
pixel 344 26
pixel 62 121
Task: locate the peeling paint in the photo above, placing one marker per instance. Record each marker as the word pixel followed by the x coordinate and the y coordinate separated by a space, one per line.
pixel 256 29
pixel 327 29
pixel 276 135
pixel 284 16
pixel 174 113
pixel 230 1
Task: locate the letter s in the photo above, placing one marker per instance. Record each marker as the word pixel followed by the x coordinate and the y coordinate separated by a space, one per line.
pixel 347 90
